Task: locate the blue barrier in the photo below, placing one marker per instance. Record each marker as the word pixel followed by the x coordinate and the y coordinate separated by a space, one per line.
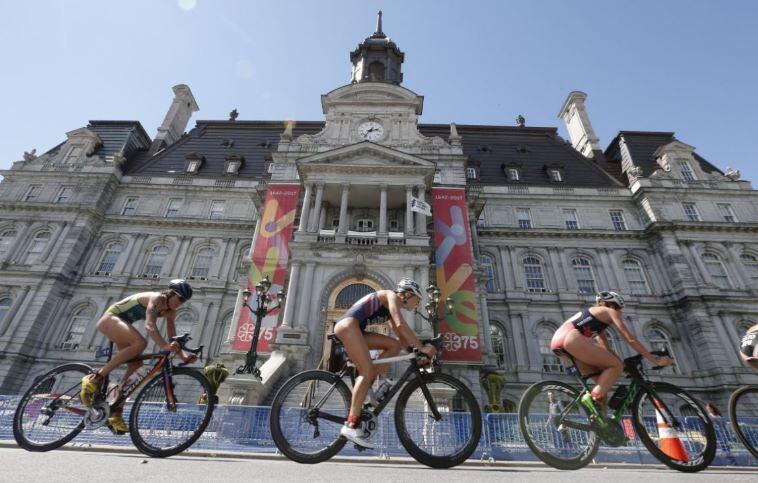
pixel 246 429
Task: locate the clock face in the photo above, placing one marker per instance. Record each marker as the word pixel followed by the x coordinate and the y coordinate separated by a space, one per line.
pixel 371 130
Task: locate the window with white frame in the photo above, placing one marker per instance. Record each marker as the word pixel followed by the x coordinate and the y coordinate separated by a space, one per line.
pixel 635 276
pixel 80 320
pixel 659 340
pixel 533 274
pixel 555 176
pixel 33 192
pixel 489 272
pixel 690 211
pixel 364 224
pixel 571 220
pixel 203 261
pixel 750 262
pixel 585 280
pixel 5 307
pixel 173 207
pixel 725 209
pixel 193 165
pixel 6 240
pixel 471 173
pixel 36 248
pixel 716 270
pixel 550 362
pixel 217 210
pixel 497 336
pixel 184 322
pixel 686 170
pixel 130 206
pixel 110 257
pixel 513 174
pixel 156 260
pixel 73 155
pixel 64 194
pixel 523 218
pixel 233 165
pixel 617 220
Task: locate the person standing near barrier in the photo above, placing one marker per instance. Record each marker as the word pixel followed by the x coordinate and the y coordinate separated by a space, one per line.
pixel 561 437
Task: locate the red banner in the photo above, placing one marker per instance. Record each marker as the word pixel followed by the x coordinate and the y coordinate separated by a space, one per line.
pixel 453 259
pixel 270 257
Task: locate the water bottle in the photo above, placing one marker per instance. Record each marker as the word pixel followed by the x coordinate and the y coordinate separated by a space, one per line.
pixel 618 397
pixel 113 392
pixel 383 389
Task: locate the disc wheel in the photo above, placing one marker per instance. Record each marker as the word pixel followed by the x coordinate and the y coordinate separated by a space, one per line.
pixel 743 414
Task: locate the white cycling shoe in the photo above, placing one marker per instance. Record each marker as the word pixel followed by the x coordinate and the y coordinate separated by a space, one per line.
pixel 357 436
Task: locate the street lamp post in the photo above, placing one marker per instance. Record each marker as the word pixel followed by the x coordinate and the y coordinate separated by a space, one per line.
pixel 262 308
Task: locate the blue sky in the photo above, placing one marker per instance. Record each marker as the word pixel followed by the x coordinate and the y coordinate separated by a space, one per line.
pixel 683 66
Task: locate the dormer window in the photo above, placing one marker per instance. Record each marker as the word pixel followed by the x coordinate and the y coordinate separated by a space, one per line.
pixel 512 171
pixel 194 163
pixel 470 173
pixel 513 174
pixel 233 164
pixel 686 170
pixel 555 176
pixel 73 154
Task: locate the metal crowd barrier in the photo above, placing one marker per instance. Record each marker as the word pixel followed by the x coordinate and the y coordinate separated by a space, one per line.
pixel 246 429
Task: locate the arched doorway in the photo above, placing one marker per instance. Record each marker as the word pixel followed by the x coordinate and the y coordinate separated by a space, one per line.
pixel 342 298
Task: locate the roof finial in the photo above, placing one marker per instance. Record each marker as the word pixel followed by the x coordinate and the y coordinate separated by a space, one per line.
pixel 379 23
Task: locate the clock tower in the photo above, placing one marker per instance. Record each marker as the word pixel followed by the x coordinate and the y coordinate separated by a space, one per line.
pixel 377 58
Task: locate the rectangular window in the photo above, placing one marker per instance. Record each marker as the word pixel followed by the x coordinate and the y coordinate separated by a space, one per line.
pixel 690 211
pixel 32 194
pixel 555 176
pixel 73 155
pixel 471 173
pixel 617 219
pixel 394 225
pixel 130 206
pixel 217 210
pixel 523 218
pixel 193 166
pixel 64 194
pixel 513 174
pixel 174 205
pixel 270 168
pixel 232 167
pixel 686 170
pixel 572 222
pixel 726 212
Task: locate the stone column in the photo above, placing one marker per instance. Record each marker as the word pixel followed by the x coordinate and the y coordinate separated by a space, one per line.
pixel 343 209
pixel 316 214
pixel 420 217
pixel 306 298
pixel 408 212
pixel 703 274
pixel 321 218
pixel 305 210
pixel 486 338
pixel 383 209
pixel 474 236
pixel 734 253
pixel 560 275
pixel 292 288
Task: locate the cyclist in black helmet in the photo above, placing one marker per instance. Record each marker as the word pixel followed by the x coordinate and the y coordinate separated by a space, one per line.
pixel 116 325
pixel 376 308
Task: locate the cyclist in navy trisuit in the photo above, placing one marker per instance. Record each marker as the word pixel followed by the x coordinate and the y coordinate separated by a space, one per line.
pixel 376 308
pixel 749 347
pixel 575 337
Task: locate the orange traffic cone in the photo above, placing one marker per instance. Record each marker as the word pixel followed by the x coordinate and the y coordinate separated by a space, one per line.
pixel 668 440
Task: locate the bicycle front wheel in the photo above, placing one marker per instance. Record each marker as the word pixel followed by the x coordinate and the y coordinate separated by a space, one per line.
pixel 556 426
pixel 743 414
pixel 444 442
pixel 307 414
pixel 50 413
pixel 160 429
pixel 688 443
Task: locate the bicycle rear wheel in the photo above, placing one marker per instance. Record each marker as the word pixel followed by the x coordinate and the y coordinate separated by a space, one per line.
pixel 442 443
pixel 743 414
pixel 556 426
pixel 50 413
pixel 689 445
pixel 160 430
pixel 307 414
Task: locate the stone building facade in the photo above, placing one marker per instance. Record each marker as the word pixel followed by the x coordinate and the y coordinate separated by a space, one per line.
pixel 111 211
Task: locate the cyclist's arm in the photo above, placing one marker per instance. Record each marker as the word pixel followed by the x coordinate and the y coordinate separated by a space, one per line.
pixel 151 323
pixel 170 316
pixel 631 340
pixel 399 325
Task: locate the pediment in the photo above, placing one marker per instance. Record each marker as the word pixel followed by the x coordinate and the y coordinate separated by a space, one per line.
pixel 372 93
pixel 84 133
pixel 673 147
pixel 365 154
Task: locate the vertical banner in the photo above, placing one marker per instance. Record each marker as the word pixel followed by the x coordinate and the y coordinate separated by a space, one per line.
pixel 270 254
pixel 452 242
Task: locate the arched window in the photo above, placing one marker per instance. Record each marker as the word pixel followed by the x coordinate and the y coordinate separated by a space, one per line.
pixel 110 257
pixel 376 71
pixel 635 277
pixel 155 260
pixel 585 280
pixel 659 340
pixel 184 322
pixel 716 270
pixel 750 262
pixel 497 334
pixel 203 261
pixel 5 307
pixel 80 319
pixel 351 294
pixel 550 362
pixel 489 272
pixel 6 240
pixel 535 280
pixel 37 247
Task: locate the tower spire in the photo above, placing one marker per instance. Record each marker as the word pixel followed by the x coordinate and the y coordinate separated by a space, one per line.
pixel 378 33
pixel 377 58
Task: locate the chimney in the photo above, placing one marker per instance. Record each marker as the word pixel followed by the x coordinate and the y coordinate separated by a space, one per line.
pixel 574 114
pixel 176 119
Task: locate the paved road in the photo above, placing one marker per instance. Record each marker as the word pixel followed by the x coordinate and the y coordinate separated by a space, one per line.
pixel 17 465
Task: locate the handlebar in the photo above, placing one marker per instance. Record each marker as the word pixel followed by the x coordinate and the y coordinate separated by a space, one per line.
pixel 182 340
pixel 634 362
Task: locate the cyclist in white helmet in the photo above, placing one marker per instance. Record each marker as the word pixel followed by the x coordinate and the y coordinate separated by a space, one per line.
pixel 376 308
pixel 576 336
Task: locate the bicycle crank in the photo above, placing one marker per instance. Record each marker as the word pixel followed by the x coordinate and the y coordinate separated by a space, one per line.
pixel 97 415
pixel 613 433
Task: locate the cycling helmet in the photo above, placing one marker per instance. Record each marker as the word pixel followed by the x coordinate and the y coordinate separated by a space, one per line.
pixel 181 288
pixel 408 285
pixel 610 297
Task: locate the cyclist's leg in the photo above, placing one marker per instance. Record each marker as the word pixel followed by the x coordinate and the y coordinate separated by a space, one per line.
pixel 388 345
pixel 589 356
pixel 130 343
pixel 349 332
